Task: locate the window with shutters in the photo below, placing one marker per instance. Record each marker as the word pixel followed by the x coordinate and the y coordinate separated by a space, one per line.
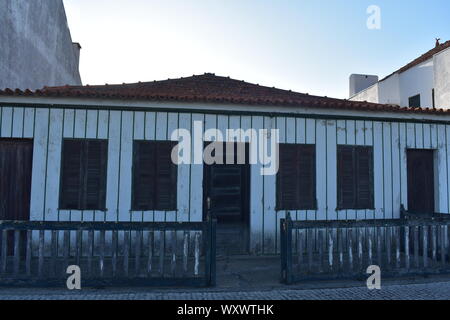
pixel 296 177
pixel 154 176
pixel 83 174
pixel 355 177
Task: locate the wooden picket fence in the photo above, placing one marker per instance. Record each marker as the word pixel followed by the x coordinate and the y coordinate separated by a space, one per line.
pixel 344 249
pixel 108 253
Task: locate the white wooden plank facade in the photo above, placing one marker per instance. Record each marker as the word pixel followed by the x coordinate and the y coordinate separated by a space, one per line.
pixel 390 138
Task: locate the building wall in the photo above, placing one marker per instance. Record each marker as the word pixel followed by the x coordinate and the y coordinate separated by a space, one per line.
pixel 36 48
pixel 370 94
pixel 442 78
pixel 389 90
pixel 389 137
pixel 417 80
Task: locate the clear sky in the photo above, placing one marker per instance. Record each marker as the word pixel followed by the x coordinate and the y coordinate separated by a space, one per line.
pixel 309 46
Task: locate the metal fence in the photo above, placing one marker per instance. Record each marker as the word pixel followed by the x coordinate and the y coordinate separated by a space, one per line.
pixel 108 253
pixel 344 249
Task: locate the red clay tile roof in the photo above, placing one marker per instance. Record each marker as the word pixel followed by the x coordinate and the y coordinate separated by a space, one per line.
pixel 426 56
pixel 209 88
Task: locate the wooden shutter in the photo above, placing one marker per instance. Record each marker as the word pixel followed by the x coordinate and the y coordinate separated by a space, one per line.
pixel 355 177
pixel 287 178
pixel 306 155
pixel 95 174
pixel 83 178
pixel 154 176
pixel 296 177
pixel 364 178
pixel 166 177
pixel 346 178
pixel 144 166
pixel 71 177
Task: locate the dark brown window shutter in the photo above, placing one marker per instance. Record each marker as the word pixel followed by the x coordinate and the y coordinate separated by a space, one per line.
pixel 154 176
pixel 144 166
pixel 95 175
pixel 71 176
pixel 355 177
pixel 296 177
pixel 307 176
pixel 83 176
pixel 364 177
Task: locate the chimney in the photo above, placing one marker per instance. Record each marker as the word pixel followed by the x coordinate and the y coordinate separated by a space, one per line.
pixel 360 82
pixel 437 42
pixel 76 50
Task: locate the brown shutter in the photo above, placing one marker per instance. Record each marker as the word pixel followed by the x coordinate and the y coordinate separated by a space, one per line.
pixel 144 166
pixel 296 177
pixel 95 174
pixel 287 178
pixel 166 177
pixel 71 177
pixel 364 178
pixel 346 178
pixel 307 177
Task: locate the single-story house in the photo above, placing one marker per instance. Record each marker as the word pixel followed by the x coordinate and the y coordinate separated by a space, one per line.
pixel 104 153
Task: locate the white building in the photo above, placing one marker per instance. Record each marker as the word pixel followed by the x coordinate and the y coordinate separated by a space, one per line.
pixel 101 153
pixel 424 82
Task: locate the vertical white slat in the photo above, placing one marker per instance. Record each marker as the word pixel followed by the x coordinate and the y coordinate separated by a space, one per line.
pixel 410 135
pixel 211 123
pixel 126 153
pixel 301 130
pixel 396 170
pixel 235 123
pixel 183 187
pixel 311 139
pixel 402 163
pixel 113 165
pixel 387 171
pixel 281 125
pixel 441 178
pixel 433 136
pixel 69 123
pixel 91 126
pixel 351 140
pixel 39 165
pixel 331 178
pixel 301 139
pixel 360 133
pixel 139 125
pixel 172 125
pixel 53 165
pixel 422 135
pixel 102 130
pixel 161 135
pixel 28 123
pixel 378 170
pixel 6 122
pixel 18 122
pixel 196 195
pixel 368 141
pixel 257 213
pixel 222 125
pixel 321 169
pixel 80 123
pixel 270 218
pixel 150 126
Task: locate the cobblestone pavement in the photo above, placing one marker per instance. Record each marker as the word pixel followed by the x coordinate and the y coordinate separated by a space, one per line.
pixel 424 291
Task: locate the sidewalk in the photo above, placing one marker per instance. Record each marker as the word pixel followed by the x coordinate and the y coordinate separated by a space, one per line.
pixel 249 278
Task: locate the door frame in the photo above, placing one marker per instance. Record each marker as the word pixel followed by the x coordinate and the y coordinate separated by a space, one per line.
pixel 433 177
pixel 246 178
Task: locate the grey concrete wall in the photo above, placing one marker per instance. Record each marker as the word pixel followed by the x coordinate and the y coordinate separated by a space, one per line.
pixel 36 48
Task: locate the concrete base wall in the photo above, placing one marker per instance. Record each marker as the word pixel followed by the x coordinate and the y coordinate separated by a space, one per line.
pixel 36 47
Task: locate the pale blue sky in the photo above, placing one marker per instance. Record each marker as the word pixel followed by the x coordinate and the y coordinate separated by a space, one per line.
pixel 304 45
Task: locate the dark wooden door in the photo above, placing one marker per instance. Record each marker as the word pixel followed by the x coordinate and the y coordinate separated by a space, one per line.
pixel 420 181
pixel 227 186
pixel 15 182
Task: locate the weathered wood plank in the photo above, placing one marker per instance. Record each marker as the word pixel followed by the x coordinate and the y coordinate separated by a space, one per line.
pixel 162 251
pixel 425 246
pixel 41 254
pixel 102 253
pixel 28 253
pixel 126 252
pixel 406 240
pixel 66 251
pixel 185 252
pixel 150 238
pixel 137 260
pixel 350 250
pixel 4 251
pixel 173 247
pixel 114 248
pixel 16 252
pixel 197 254
pixel 54 251
pixel 330 249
